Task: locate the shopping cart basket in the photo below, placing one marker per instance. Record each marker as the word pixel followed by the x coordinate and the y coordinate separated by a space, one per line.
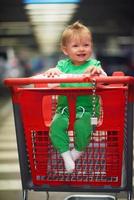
pixel 106 166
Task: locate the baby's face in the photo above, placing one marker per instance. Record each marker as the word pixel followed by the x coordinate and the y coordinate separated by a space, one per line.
pixel 79 49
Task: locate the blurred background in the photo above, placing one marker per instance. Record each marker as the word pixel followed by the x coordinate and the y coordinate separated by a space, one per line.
pixel 30 31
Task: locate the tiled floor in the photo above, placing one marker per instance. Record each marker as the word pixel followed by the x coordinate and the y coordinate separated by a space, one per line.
pixel 10 183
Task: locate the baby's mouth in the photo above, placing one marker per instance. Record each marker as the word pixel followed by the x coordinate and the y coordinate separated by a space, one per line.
pixel 81 55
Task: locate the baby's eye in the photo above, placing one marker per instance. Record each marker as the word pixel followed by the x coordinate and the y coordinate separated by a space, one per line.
pixel 75 45
pixel 86 45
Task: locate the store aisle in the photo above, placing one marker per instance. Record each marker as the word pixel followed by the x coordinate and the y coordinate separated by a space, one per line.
pixel 10 180
pixel 9 167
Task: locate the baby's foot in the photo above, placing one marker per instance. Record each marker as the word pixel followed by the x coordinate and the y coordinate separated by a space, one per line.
pixel 76 154
pixel 68 161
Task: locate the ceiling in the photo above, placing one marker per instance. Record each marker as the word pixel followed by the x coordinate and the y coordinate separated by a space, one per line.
pixel 15 28
pixel 106 18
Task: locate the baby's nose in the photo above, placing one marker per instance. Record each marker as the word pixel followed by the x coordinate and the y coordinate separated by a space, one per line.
pixel 81 48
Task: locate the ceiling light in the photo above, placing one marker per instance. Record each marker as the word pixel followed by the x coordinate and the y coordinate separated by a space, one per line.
pixel 50 1
pixel 48 19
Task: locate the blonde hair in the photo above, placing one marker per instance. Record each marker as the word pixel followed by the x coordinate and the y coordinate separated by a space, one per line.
pixel 77 29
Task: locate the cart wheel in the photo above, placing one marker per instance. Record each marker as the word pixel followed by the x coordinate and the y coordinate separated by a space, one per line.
pixel 129 195
pixel 47 194
pixel 25 194
pixel 116 196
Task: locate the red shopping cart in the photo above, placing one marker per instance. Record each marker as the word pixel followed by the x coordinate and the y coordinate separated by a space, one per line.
pixel 106 165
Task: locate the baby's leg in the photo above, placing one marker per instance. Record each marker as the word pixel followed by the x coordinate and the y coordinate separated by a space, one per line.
pixel 83 130
pixel 58 132
pixel 60 139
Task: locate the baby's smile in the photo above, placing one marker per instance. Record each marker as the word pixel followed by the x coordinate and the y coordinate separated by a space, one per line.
pixel 81 54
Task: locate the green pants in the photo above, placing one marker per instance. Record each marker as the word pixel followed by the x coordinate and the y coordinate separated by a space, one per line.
pixel 82 129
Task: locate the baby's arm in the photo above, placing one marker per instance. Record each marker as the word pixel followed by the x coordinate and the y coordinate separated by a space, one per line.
pixel 95 71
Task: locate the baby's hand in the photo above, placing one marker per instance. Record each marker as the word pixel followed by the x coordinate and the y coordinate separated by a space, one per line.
pixel 52 72
pixel 94 71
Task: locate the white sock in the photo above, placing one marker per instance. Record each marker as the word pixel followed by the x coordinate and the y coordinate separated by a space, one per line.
pixel 76 154
pixel 68 162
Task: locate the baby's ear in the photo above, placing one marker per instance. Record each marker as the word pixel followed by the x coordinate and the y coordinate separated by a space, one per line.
pixel 64 49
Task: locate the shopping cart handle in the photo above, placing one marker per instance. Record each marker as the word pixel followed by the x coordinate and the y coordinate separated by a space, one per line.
pixel 44 79
pixel 69 79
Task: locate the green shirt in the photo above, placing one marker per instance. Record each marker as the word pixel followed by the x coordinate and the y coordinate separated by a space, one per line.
pixel 66 66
